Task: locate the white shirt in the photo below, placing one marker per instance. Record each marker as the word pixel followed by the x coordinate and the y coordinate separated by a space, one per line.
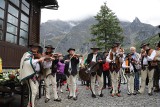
pixel 47 64
pixel 36 64
pixel 151 57
pixel 125 66
pixel 145 61
pixel 94 58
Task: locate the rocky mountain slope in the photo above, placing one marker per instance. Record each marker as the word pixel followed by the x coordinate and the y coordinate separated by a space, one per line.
pixel 76 34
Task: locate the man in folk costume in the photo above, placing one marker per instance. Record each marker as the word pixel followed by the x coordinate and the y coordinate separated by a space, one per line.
pixel 71 70
pixel 122 77
pixel 157 69
pixel 147 68
pixel 115 60
pixel 49 73
pixel 96 58
pixel 129 71
pixel 29 68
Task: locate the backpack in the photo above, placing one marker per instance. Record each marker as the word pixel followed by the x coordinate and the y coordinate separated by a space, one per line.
pixel 106 66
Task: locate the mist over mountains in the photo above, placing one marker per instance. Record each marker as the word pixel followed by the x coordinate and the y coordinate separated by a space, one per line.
pixel 76 34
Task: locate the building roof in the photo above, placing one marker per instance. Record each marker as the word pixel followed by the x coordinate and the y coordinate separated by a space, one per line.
pixel 49 4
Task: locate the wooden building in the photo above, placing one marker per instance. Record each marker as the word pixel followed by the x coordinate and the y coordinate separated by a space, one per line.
pixel 19 27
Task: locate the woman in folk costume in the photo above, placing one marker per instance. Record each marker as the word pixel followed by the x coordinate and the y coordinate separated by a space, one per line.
pixel 129 71
pixel 29 67
pixel 147 68
pixel 96 57
pixel 115 61
pixel 49 73
pixel 71 70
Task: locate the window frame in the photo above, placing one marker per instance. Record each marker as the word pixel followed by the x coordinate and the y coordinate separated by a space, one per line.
pixel 18 25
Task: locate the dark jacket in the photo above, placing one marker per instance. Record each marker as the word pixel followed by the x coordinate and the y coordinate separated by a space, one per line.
pixel 99 57
pixel 54 66
pixel 74 65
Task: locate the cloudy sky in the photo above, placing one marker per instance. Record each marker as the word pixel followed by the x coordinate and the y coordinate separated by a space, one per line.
pixel 148 11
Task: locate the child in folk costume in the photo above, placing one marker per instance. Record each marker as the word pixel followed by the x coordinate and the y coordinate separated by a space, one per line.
pixel 60 73
pixel 129 71
pixel 49 73
pixel 147 68
pixel 29 67
pixel 115 61
pixel 71 70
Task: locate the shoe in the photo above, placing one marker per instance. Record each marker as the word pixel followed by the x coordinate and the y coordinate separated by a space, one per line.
pixel 129 93
pixel 112 95
pixel 156 90
pixel 119 91
pixel 134 93
pixel 69 97
pixel 58 100
pixel 150 94
pixel 46 100
pixel 75 98
pixel 101 95
pixel 118 95
pixel 138 92
pixel 61 90
pixel 93 96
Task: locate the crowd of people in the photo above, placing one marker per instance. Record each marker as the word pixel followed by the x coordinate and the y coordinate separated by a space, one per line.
pixel 132 68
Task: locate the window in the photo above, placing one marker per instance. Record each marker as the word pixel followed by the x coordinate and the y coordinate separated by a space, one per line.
pixel 11 38
pixel 12 20
pixel 1 13
pixel 13 11
pixel 24 26
pixel 12 29
pixel 17 22
pixel 1 34
pixel 25 8
pixel 1 24
pixel 24 18
pixel 2 4
pixel 16 2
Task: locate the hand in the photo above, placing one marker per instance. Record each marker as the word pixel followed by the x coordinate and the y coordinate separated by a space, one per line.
pixel 66 60
pixel 52 58
pixel 41 59
pixel 100 60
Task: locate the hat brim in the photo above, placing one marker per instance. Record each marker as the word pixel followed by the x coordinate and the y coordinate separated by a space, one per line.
pixel 95 48
pixel 34 46
pixel 145 45
pixel 49 47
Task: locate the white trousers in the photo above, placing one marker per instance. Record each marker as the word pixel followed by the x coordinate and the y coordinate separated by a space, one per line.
pixel 33 90
pixel 130 82
pixel 143 80
pixel 122 75
pixel 71 81
pixel 50 79
pixel 115 81
pixel 100 82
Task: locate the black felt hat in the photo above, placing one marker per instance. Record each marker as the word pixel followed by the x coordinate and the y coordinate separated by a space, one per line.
pixel 144 44
pixel 35 45
pixel 71 49
pixel 49 46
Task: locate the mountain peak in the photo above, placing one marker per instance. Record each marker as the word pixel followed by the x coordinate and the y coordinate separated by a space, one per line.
pixel 136 20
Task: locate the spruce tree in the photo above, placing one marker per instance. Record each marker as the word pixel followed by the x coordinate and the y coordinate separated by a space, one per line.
pixel 107 30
